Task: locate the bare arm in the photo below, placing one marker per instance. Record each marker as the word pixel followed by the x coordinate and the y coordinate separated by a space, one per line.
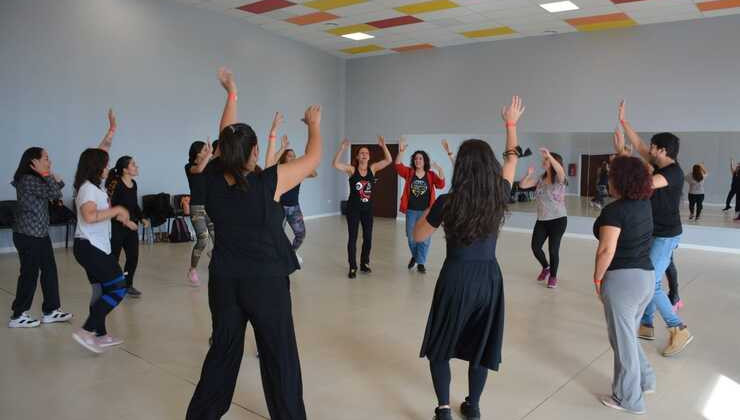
pixel 227 81
pixel 422 229
pixel 387 159
pixel 204 156
pixel 511 115
pixel 292 173
pixel 556 166
pixel 528 180
pixel 91 214
pixel 634 138
pixel 402 146
pixel 608 237
pixel 347 169
pixel 271 157
pixel 107 141
pixel 440 172
pixel 446 146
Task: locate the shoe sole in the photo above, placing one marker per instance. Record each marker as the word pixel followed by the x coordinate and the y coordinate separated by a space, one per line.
pixel 103 346
pixel 43 321
pixel 34 325
pixel 649 391
pixel 84 344
pixel 645 337
pixel 618 407
pixel 681 349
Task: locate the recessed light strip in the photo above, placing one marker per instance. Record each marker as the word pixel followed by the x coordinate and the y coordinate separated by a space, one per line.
pixel 358 36
pixel 559 6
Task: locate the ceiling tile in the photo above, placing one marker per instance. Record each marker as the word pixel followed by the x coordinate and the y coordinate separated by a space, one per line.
pixel 331 4
pixel 310 18
pixel 427 6
pixel 265 6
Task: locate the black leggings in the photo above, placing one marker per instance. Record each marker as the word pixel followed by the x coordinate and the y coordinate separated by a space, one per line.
pixel 354 218
pixel 696 200
pixel 553 231
pixel 36 255
pixel 441 378
pixel 730 196
pixel 672 275
pixel 128 240
pixel 265 302
pixel 107 281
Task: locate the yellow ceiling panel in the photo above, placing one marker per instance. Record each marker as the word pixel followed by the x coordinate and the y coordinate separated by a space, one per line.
pixel 362 50
pixel 482 33
pixel 331 4
pixel 427 6
pixel 344 30
pixel 607 25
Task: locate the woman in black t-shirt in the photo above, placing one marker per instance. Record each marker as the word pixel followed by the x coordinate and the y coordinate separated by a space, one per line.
pixel 250 267
pixel 198 157
pixel 624 279
pixel 361 175
pixel 466 319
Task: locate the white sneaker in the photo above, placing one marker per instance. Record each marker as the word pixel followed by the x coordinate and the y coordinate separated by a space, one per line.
pixel 87 340
pixel 57 315
pixel 608 401
pixel 24 321
pixel 108 341
pixel 300 260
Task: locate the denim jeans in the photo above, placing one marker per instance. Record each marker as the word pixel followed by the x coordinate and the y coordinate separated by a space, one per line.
pixel 419 250
pixel 660 254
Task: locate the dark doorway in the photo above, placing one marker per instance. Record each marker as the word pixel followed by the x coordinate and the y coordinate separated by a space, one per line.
pixel 589 173
pixel 385 191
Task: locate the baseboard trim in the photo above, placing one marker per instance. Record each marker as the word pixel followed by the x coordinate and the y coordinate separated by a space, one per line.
pixel 12 250
pixel 321 215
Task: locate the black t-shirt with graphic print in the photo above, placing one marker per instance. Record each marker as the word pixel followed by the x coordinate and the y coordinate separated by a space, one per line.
pixel 419 195
pixel 361 191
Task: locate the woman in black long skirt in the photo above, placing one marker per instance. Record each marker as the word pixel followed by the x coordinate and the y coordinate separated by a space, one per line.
pixel 466 320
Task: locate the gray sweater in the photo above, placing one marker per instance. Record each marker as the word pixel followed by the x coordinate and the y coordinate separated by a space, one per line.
pixel 32 212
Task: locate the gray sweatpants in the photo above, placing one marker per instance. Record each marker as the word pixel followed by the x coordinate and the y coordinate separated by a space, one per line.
pixel 625 294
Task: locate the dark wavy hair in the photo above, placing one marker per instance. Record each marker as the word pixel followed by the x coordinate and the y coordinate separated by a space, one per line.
pixel 477 201
pixel 24 166
pixel 285 155
pixel 426 160
pixel 668 141
pixel 630 178
pixel 195 148
pixel 551 171
pixel 697 173
pixel 236 142
pixel 90 167
pixel 115 174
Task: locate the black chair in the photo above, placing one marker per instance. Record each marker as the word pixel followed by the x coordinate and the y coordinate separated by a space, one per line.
pixel 158 209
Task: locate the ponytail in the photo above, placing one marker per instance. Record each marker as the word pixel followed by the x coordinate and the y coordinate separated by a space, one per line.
pixel 115 174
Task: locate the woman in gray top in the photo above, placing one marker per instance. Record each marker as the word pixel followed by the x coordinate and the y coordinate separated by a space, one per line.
pixel 35 186
pixel 696 190
pixel 552 217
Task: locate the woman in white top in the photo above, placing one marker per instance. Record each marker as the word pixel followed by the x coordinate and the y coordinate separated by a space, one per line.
pixel 92 248
pixel 696 190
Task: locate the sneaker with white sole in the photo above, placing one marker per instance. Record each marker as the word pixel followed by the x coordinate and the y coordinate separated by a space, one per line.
pixel 57 315
pixel 108 341
pixel 609 401
pixel 24 321
pixel 87 340
pixel 300 259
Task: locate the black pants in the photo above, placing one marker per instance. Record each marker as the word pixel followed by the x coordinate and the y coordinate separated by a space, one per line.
pixel 696 201
pixel 128 240
pixel 730 196
pixel 107 281
pixel 354 218
pixel 552 231
pixel 265 302
pixel 672 275
pixel 36 254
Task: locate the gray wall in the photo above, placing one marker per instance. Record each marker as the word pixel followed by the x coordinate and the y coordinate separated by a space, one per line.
pixel 679 76
pixel 65 62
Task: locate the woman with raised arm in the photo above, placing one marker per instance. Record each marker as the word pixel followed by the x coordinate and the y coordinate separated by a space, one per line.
pixel 361 175
pixel 122 190
pixel 35 185
pixel 552 216
pixel 198 157
pixel 419 193
pixel 92 245
pixel 624 279
pixel 466 319
pixel 252 260
pixel 696 190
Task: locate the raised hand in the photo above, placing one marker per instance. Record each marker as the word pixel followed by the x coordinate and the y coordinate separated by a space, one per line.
pixel 545 153
pixel 381 141
pixel 112 124
pixel 206 152
pixel 621 111
pixel 277 121
pixel 511 114
pixel 313 115
pixel 344 144
pixel 619 142
pixel 226 77
pixel 284 142
pixel 402 146
pixel 446 146
pixel 435 166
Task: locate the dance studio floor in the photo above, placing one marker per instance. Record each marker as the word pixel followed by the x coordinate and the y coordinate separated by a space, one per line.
pixel 711 216
pixel 359 340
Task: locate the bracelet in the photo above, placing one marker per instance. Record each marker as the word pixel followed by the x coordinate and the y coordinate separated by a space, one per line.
pixel 449 154
pixel 597 282
pixel 232 96
pixel 510 124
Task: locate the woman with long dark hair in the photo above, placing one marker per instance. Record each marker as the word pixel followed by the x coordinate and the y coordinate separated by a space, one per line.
pixel 122 190
pixel 252 260
pixel 466 320
pixel 361 175
pixel 552 216
pixel 624 279
pixel 92 245
pixel 419 194
pixel 35 185
pixel 199 155
pixel 696 190
pixel 602 184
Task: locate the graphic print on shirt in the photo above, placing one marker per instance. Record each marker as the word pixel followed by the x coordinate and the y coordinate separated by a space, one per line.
pixel 418 187
pixel 364 190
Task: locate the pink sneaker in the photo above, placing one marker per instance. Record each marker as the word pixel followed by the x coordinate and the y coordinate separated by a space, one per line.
pixel 193 277
pixel 108 341
pixel 87 340
pixel 544 274
pixel 552 282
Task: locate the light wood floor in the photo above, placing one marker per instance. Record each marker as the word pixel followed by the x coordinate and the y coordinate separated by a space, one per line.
pixel 359 340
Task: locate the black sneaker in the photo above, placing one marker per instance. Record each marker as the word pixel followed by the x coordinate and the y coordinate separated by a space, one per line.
pixel 421 268
pixel 726 208
pixel 352 273
pixel 442 414
pixel 365 269
pixel 468 411
pixel 412 263
pixel 133 292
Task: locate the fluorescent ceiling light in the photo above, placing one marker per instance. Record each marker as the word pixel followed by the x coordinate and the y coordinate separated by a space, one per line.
pixel 559 6
pixel 358 36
